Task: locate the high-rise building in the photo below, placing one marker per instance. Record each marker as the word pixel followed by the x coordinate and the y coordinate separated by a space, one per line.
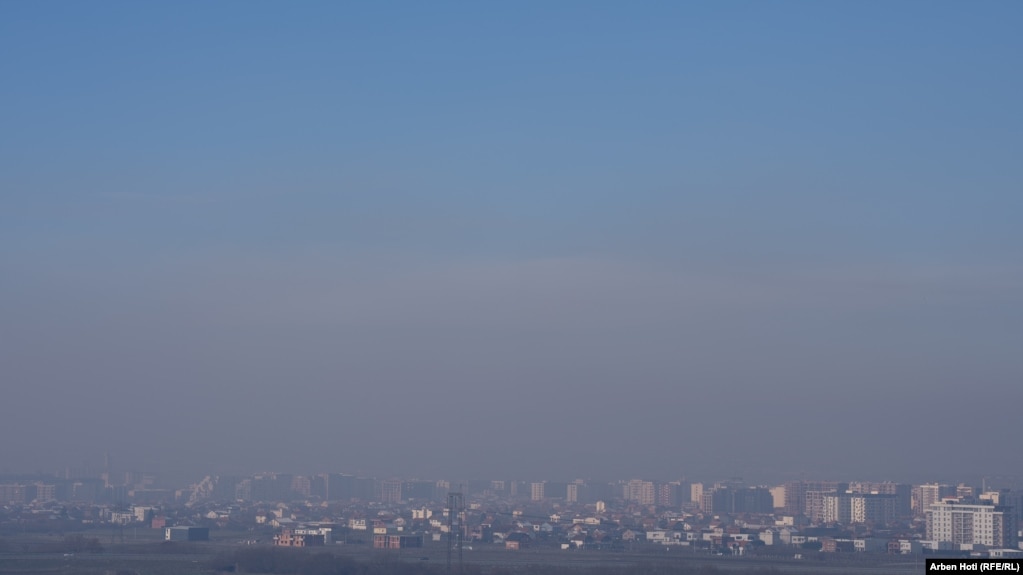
pixel 421 490
pixel 728 499
pixel 391 490
pixel 778 496
pixel 577 492
pixel 17 493
pixel 243 489
pixel 520 489
pixel 753 499
pixel 302 485
pixel 854 508
pixel 664 494
pixel 1014 500
pixel 45 491
pixel 536 490
pixel 813 504
pixel 877 508
pixel 707 500
pixel 966 524
pixel 928 494
pixel 796 502
pixel 640 491
pixel 572 493
pixel 696 493
pixel 901 491
pixel 271 487
pixel 318 485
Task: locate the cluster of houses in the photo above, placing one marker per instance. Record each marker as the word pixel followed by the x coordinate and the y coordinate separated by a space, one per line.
pixel 804 517
pixel 575 529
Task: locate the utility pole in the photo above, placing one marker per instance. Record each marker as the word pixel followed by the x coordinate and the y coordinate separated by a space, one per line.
pixel 456 530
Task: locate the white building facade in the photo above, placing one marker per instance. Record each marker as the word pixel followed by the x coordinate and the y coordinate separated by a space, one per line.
pixel 967 524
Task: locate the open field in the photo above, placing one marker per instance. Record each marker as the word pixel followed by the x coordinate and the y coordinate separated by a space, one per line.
pixel 531 559
pixel 103 564
pixel 149 556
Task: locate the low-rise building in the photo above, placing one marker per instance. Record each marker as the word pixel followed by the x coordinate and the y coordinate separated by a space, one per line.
pixel 299 538
pixel 397 541
pixel 186 534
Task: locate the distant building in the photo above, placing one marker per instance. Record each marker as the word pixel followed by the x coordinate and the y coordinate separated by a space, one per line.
pixel 901 491
pixel 17 493
pixel 800 501
pixel 537 490
pixel 391 541
pixel 813 504
pixel 728 499
pixel 964 491
pixel 666 494
pixel 572 492
pixel 778 496
pixel 142 513
pixel 923 496
pixel 854 508
pixel 45 492
pixel 271 487
pixel 420 490
pixel 696 493
pixel 186 534
pixel 302 485
pixel 391 490
pixel 754 499
pixel 1013 500
pixel 961 524
pixel 877 508
pixel 640 491
pixel 121 517
pixel 299 538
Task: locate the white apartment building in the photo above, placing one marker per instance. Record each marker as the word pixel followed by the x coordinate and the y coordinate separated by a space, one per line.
pixel 966 524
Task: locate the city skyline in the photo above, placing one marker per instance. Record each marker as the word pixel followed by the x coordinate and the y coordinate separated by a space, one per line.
pixel 113 473
pixel 881 525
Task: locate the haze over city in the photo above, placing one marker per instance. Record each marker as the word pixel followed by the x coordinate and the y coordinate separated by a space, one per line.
pixel 524 240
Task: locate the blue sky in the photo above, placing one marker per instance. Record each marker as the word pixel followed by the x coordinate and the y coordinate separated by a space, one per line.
pixel 568 200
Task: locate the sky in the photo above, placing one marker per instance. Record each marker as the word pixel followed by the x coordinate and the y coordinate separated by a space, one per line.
pixel 530 240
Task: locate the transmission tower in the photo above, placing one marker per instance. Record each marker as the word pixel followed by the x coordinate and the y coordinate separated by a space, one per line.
pixel 456 530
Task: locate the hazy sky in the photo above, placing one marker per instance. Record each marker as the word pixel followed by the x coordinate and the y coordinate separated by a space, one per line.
pixel 513 239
